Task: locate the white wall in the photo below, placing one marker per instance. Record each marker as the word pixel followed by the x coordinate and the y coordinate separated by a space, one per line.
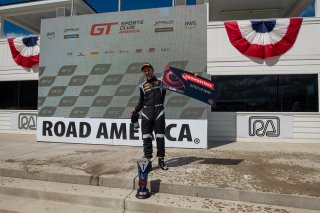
pixel 9 70
pixel 221 126
pixel 9 120
pixel 303 57
pixel 5 120
pixel 306 128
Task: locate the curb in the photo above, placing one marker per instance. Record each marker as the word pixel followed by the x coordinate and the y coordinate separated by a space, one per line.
pixel 69 178
pixel 295 201
pixel 156 186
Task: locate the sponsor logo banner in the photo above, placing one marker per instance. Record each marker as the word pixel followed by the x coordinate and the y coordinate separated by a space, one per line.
pixel 163 23
pixel 96 72
pixel 190 24
pixel 103 28
pixel 51 35
pixel 91 66
pixel 71 36
pixel 163 29
pixel 70 33
pixel 163 26
pixel 189 84
pixel 179 133
pixel 130 26
pixel 67 70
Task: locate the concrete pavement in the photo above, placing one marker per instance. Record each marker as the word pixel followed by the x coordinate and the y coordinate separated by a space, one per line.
pixel 31 196
pixel 279 174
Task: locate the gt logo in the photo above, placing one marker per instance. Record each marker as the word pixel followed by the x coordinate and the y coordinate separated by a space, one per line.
pixel 264 126
pixel 27 121
pixel 99 29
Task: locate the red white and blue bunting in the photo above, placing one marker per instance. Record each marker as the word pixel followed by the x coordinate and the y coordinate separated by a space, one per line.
pixel 263 38
pixel 25 51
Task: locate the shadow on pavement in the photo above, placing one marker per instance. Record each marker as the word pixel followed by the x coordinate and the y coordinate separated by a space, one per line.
pixel 181 161
pixel 214 144
pixel 155 185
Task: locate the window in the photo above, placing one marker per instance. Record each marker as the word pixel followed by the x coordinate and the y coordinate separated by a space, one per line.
pixel 9 95
pixel 18 95
pixel 298 93
pixel 267 93
pixel 28 96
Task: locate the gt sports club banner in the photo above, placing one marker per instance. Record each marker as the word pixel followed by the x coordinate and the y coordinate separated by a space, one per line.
pixel 189 84
pixel 90 72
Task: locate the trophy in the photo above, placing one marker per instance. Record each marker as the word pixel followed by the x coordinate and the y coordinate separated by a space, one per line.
pixel 144 167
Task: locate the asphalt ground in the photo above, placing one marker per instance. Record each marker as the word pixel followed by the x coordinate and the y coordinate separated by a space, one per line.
pixel 289 169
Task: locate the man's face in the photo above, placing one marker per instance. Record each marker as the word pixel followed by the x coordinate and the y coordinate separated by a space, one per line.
pixel 148 72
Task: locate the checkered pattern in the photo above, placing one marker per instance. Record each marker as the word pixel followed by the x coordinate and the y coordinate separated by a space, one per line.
pixel 104 94
pixel 74 82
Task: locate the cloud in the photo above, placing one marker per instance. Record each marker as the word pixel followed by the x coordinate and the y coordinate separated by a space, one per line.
pixel 16 35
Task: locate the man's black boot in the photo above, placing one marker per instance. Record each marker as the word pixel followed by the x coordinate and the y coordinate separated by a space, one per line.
pixel 162 164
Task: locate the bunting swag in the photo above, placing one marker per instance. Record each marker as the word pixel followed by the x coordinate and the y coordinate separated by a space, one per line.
pixel 263 38
pixel 25 51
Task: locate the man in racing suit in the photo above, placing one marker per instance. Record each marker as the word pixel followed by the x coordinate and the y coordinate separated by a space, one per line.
pixel 151 102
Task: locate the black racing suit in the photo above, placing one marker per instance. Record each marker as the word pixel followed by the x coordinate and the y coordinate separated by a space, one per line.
pixel 151 102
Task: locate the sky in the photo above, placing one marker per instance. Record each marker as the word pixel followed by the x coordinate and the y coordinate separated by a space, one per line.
pixel 309 11
pixel 102 6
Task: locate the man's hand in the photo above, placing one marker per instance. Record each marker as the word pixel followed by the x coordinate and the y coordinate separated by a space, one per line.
pixel 195 74
pixel 133 110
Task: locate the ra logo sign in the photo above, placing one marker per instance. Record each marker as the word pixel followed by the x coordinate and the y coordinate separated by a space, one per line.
pixel 264 126
pixel 27 121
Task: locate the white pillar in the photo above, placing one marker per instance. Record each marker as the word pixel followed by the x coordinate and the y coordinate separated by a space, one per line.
pixel 75 11
pixel 1 26
pixel 206 2
pixel 317 14
pixel 317 8
pixel 319 91
pixel 72 8
pixel 119 5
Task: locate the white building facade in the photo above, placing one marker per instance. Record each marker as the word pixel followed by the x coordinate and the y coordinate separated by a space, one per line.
pixel 266 100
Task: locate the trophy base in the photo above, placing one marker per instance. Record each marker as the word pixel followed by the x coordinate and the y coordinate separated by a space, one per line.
pixel 143 195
